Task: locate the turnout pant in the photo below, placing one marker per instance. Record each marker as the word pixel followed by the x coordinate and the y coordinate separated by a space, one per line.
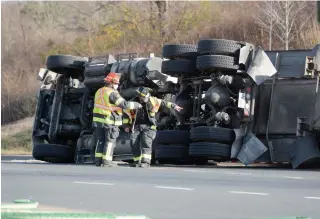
pixel 106 142
pixel 141 141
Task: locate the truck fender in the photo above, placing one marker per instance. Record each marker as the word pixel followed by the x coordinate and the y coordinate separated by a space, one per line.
pixel 237 144
pixel 261 67
pixel 252 149
pixel 304 150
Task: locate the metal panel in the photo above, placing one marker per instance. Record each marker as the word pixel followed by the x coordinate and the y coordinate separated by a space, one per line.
pixel 282 146
pixel 315 114
pixel 292 98
pixel 262 107
pixel 292 62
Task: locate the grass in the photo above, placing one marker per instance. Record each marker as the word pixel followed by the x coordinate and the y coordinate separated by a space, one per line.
pixel 19 143
pixel 16 138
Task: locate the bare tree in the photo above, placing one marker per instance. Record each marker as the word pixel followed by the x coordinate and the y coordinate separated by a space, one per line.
pixel 265 18
pixel 281 18
pixel 287 20
pixel 162 9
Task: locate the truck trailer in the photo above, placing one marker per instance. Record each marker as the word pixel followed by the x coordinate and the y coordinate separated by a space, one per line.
pixel 240 103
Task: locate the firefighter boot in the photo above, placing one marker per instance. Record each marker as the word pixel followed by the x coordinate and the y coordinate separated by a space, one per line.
pixel 98 161
pixel 145 162
pixel 135 164
pixel 106 163
pixel 144 165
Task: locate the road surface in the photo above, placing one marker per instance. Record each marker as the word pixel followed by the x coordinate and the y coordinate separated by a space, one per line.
pixel 167 192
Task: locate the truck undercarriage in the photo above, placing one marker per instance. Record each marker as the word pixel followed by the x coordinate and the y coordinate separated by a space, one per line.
pixel 239 103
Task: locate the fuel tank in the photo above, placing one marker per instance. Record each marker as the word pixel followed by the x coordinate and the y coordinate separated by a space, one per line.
pixel 217 96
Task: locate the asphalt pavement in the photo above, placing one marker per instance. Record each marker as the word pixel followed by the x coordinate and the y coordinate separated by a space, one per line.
pixel 166 192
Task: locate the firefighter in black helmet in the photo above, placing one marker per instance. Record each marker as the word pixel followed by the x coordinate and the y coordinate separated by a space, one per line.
pixel 144 126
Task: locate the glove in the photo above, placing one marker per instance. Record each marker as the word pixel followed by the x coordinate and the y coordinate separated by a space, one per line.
pixel 138 105
pixel 127 129
pixel 178 108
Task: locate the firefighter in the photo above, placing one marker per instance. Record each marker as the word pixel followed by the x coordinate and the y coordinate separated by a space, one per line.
pixel 107 117
pixel 143 126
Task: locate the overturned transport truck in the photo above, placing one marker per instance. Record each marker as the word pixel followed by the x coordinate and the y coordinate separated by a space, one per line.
pixel 240 104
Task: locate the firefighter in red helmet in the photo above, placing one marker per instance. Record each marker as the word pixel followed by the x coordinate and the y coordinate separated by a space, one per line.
pixel 107 117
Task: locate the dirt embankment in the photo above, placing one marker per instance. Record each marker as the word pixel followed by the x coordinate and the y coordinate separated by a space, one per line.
pixel 16 137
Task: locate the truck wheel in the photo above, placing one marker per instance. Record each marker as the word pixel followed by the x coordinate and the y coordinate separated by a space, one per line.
pixel 213 62
pixel 176 67
pixel 209 149
pixel 170 51
pixel 54 153
pixel 216 134
pixel 171 153
pixel 66 64
pixel 218 47
pixel 173 137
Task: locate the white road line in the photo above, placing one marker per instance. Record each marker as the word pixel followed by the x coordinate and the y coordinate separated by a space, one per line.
pixel 94 183
pixel 177 188
pixel 248 193
pixel 308 197
pixel 196 171
pixel 160 168
pixel 293 177
pixel 240 174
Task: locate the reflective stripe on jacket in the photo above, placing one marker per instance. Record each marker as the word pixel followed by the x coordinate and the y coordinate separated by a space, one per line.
pixel 104 111
pixel 153 107
pixel 128 116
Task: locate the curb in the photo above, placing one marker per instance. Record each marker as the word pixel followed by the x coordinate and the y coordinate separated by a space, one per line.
pixel 43 215
pixel 24 208
pixel 5 157
pixel 23 161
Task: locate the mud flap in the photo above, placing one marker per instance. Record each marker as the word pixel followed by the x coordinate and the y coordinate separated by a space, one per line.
pixel 251 149
pixel 261 67
pixel 305 151
pixel 236 146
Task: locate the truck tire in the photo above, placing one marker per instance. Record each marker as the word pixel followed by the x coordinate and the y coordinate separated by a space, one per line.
pixel 95 82
pixel 213 62
pixel 209 149
pixel 218 47
pixel 215 134
pixel 64 64
pixel 174 67
pixel 95 70
pixel 170 51
pixel 54 153
pixel 171 152
pixel 173 137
